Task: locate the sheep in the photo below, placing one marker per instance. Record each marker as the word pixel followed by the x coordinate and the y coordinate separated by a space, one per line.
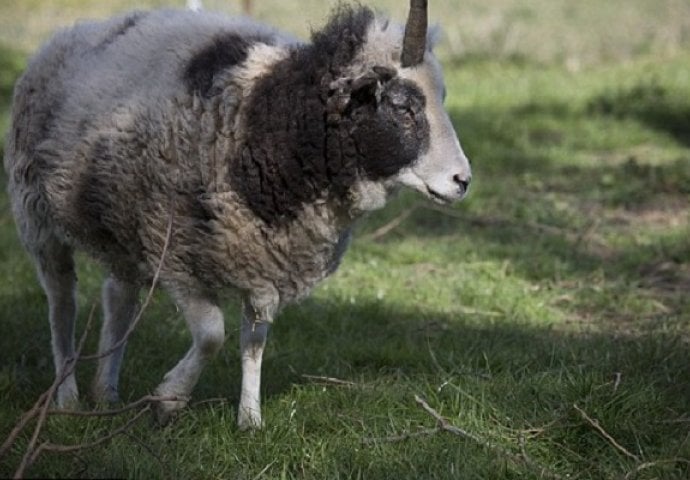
pixel 255 151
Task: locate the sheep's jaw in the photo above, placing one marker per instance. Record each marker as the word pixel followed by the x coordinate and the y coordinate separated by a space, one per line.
pixel 416 181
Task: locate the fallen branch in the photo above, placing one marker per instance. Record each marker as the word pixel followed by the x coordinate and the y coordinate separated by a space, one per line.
pixel 401 437
pixel 145 400
pixel 207 401
pixel 571 236
pixel 41 409
pixel 53 447
pixel 675 420
pixel 390 226
pixel 645 465
pixel 595 424
pixel 329 380
pixel 23 422
pixel 264 470
pixel 445 425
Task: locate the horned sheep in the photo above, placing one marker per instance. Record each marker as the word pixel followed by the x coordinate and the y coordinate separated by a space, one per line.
pixel 256 152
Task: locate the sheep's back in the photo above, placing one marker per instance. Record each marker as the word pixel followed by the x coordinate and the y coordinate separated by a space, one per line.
pixel 91 118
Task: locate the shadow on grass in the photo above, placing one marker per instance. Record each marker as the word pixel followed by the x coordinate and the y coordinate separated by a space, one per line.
pixel 651 103
pixel 496 378
pixel 519 375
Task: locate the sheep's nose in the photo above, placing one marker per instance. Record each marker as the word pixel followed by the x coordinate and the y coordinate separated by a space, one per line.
pixel 462 181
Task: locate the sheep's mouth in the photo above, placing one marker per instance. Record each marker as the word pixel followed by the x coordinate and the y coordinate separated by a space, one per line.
pixel 437 197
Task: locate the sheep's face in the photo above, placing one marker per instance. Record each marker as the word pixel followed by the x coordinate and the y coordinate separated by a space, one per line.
pixel 404 134
pixel 441 171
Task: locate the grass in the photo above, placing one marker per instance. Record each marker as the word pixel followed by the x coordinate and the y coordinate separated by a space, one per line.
pixel 562 280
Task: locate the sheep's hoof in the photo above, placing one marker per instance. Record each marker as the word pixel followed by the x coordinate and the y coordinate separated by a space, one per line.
pixel 249 421
pixel 105 395
pixel 67 397
pixel 166 411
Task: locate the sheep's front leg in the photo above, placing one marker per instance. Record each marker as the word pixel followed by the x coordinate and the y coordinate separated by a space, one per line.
pixel 257 315
pixel 205 321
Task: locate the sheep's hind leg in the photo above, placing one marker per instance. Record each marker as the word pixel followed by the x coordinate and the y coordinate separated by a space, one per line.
pixel 120 305
pixel 257 315
pixel 205 321
pixel 55 266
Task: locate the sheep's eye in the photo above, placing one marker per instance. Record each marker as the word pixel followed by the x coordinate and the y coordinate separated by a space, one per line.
pixel 399 101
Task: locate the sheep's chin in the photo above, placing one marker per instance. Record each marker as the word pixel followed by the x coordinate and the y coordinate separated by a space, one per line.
pixel 412 180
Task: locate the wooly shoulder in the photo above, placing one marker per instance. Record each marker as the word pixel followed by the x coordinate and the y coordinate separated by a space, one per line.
pixel 220 153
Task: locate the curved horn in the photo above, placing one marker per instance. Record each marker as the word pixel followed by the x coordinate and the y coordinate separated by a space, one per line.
pixel 414 43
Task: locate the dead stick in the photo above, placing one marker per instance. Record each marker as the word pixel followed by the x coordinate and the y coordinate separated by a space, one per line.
pixel 594 423
pixel 332 380
pixel 65 371
pixel 23 421
pixel 207 401
pixel 390 226
pixel 52 447
pixel 502 222
pixel 444 424
pixel 247 7
pixel 117 411
pixel 646 465
pixel 401 437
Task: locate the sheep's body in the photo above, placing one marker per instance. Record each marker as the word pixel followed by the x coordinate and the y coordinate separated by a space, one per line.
pixel 260 151
pixel 110 143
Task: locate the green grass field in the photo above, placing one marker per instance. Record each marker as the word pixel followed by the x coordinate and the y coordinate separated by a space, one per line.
pixel 547 315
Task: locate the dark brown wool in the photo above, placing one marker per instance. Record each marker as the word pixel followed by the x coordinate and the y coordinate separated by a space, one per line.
pixel 304 143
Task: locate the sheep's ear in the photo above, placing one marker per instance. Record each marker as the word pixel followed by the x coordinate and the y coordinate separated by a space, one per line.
pixel 367 88
pixel 346 93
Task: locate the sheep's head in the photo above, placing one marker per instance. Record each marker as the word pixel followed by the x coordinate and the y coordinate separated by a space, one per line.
pixel 380 91
pixel 401 127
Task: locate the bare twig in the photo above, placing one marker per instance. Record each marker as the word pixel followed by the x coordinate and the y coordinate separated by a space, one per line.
pixel 247 7
pixel 147 399
pixel 645 465
pixel 401 437
pixel 445 425
pixel 329 380
pixel 390 226
pixel 571 236
pixel 675 420
pixel 140 313
pixel 23 421
pixel 586 233
pixel 595 424
pixel 264 470
pixel 206 401
pixel 53 447
pixel 47 398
